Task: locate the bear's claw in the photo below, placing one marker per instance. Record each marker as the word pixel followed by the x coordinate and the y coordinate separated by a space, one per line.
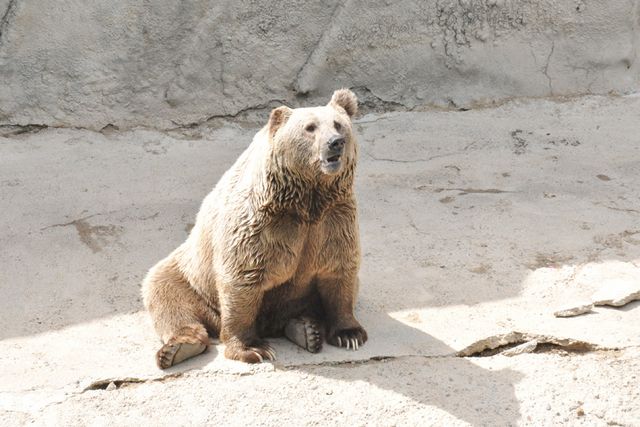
pixel 351 338
pixel 270 352
pixel 255 353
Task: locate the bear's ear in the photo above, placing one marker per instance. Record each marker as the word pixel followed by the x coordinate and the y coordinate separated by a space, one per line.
pixel 346 99
pixel 278 117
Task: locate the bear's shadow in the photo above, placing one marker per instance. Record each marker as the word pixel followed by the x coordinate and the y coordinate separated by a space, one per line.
pixel 423 369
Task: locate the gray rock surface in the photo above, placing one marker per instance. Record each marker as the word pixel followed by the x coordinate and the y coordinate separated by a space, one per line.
pixel 475 227
pixel 90 63
pixel 619 291
pixel 527 347
pixel 574 310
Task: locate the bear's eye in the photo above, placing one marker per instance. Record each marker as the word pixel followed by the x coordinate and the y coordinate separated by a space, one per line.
pixel 310 127
pixel 338 126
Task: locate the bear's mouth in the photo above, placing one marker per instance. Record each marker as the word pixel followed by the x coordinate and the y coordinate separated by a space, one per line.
pixel 332 164
pixel 334 159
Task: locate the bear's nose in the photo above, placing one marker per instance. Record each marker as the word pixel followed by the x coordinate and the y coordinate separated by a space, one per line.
pixel 336 143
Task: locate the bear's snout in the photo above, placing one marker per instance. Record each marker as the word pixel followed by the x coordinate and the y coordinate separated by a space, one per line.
pixel 332 154
pixel 336 144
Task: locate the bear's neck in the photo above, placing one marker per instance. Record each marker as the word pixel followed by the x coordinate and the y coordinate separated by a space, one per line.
pixel 307 200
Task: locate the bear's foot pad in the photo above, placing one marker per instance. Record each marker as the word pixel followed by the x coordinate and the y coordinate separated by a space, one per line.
pixel 188 342
pixel 171 354
pixel 304 332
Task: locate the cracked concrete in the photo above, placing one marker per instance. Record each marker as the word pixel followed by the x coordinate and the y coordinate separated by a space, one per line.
pixel 467 254
pixel 299 84
pixel 545 70
pixel 85 64
pixel 9 11
pixel 503 343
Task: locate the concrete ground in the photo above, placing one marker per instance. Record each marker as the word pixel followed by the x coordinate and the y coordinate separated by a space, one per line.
pixel 476 227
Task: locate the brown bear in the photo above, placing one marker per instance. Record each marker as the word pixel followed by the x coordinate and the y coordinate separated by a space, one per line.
pixel 275 248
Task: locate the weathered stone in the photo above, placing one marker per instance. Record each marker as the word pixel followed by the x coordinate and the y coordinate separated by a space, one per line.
pixel 526 347
pixel 574 311
pixel 90 63
pixel 617 294
pixel 613 282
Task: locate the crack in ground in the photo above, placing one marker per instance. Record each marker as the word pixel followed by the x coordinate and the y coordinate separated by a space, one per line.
pixel 487 347
pixel 497 344
pixel 123 382
pixel 369 102
pixel 9 129
pixel 613 208
pixel 465 191
pixel 471 146
pixel 545 70
pixel 95 237
pixel 8 14
pixel 104 384
pixel 258 108
pixel 386 159
pixel 16 130
pixel 65 224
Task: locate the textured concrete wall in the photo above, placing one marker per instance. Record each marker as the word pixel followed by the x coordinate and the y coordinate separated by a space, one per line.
pixel 89 63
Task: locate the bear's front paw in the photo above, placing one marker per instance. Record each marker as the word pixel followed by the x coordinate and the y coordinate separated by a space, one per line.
pixel 255 353
pixel 350 338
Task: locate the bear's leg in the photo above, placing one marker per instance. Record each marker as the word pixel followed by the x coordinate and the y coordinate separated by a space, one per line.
pixel 338 299
pixel 305 332
pixel 239 306
pixel 180 316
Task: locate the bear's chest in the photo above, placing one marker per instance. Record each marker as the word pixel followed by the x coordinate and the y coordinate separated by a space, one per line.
pixel 291 249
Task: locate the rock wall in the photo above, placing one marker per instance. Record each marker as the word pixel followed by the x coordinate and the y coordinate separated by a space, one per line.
pixel 89 63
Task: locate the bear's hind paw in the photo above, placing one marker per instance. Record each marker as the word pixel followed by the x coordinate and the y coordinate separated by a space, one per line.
pixel 304 332
pixel 188 342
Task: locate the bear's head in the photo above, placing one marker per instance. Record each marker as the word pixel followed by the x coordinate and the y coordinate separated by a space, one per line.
pixel 318 140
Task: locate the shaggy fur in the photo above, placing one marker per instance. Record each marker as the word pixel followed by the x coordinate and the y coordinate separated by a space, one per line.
pixel 275 247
